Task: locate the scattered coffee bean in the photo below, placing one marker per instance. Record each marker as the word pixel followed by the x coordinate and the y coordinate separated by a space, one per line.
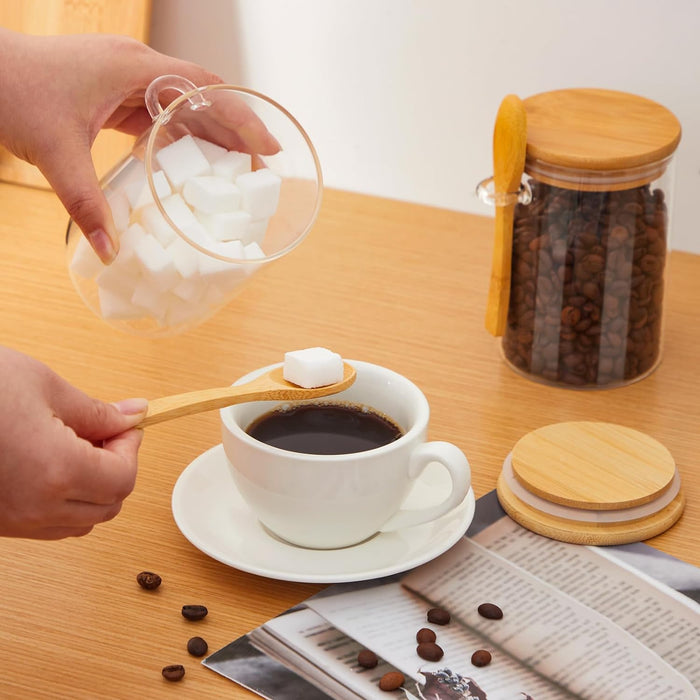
pixel 148 580
pixel 194 612
pixel 490 611
pixel 197 646
pixel 481 657
pixel 391 680
pixel 438 616
pixel 367 658
pixel 425 635
pixel 430 651
pixel 174 672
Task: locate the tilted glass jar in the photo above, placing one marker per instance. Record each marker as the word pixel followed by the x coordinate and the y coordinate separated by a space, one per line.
pixel 589 247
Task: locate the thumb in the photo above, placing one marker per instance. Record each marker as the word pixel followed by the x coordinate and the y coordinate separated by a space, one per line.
pixel 97 420
pixel 71 173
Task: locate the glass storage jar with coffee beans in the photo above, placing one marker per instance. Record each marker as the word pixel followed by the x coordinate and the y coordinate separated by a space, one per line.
pixel 590 239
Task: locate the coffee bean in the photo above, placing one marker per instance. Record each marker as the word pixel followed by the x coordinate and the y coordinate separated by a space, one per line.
pixel 194 612
pixel 425 635
pixel 148 580
pixel 481 657
pixel 391 681
pixel 367 658
pixel 430 651
pixel 580 259
pixel 490 611
pixel 174 672
pixel 197 646
pixel 438 616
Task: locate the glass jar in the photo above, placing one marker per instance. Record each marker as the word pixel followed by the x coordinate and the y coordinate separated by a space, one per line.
pixel 224 182
pixel 590 239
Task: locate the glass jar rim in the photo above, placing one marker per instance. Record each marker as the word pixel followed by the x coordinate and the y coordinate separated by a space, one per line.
pixel 594 179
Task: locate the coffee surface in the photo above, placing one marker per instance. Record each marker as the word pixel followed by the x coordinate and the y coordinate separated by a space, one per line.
pixel 324 429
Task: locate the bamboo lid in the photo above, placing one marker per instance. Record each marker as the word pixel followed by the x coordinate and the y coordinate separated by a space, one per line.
pixel 590 465
pixel 591 129
pixel 591 483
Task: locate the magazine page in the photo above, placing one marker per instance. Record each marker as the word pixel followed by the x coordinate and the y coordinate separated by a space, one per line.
pixel 549 630
pixel 560 602
pixel 664 621
pixel 385 618
pixel 333 654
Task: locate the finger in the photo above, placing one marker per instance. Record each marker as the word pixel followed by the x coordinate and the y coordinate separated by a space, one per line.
pixel 91 418
pixel 107 474
pixel 70 171
pixel 59 532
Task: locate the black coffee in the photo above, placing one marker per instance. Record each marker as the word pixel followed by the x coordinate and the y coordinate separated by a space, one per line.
pixel 324 429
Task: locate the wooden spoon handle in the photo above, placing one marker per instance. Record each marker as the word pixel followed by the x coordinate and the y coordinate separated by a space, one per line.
pixel 168 407
pixel 270 386
pixel 509 146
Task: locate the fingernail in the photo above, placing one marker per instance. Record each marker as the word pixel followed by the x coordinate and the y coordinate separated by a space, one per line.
pixel 102 245
pixel 132 407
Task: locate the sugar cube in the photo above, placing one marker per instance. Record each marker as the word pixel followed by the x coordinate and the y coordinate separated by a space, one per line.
pixel 253 251
pixel 85 262
pixel 182 160
pixel 157 265
pixel 256 230
pixel 184 258
pixel 226 226
pixel 260 192
pixel 121 276
pixel 114 305
pixel 212 151
pixel 178 212
pixel 189 290
pixel 149 297
pixel 121 210
pixel 211 194
pixel 139 192
pixel 313 367
pixel 232 164
pixel 155 224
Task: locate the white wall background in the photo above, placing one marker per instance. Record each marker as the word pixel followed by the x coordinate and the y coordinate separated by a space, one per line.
pixel 399 96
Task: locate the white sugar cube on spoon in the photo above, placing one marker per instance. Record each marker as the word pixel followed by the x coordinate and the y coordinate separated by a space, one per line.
pixel 313 367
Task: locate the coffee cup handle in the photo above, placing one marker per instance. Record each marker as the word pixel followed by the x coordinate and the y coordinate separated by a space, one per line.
pixel 456 463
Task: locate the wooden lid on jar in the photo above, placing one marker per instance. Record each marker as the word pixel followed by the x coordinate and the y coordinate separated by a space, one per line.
pixel 598 137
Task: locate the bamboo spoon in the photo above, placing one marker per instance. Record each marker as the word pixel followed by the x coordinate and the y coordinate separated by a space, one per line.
pixel 509 144
pixel 270 386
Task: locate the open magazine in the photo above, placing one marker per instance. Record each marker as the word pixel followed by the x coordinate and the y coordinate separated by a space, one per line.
pixel 578 622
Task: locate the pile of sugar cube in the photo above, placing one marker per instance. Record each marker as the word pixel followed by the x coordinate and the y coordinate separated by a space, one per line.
pixel 313 367
pixel 215 198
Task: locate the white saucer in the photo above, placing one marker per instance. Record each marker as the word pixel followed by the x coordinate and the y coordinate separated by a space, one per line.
pixel 211 514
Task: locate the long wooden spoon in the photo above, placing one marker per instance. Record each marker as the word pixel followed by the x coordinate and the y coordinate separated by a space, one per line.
pixel 270 386
pixel 509 145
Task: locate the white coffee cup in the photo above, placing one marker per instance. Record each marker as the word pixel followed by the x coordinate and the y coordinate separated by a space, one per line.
pixel 332 501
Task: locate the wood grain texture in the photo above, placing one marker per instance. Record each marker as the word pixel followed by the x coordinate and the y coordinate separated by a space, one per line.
pixel 52 17
pixel 509 144
pixel 599 129
pixel 593 465
pixel 77 624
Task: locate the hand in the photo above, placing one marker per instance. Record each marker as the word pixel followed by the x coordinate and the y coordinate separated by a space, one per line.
pixel 67 461
pixel 57 92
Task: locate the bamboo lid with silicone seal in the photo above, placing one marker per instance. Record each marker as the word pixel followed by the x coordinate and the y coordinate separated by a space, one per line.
pixel 601 140
pixel 591 483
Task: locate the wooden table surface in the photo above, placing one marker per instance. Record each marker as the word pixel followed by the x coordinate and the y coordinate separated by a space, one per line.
pixel 387 282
